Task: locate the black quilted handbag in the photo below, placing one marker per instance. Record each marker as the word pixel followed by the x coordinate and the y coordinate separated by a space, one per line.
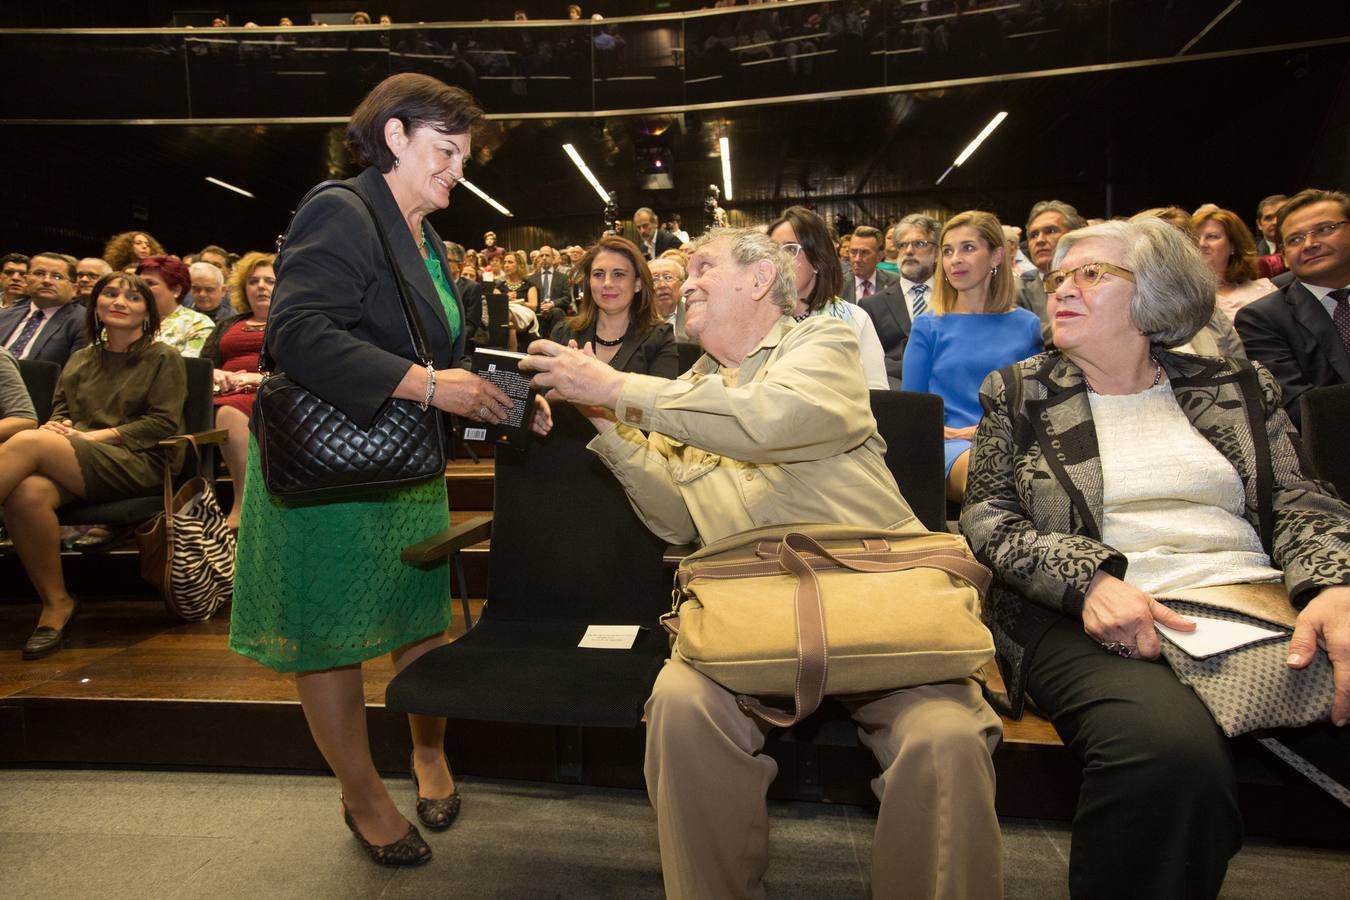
pixel 311 451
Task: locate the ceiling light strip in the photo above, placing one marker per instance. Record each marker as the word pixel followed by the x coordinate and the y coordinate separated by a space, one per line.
pixel 586 171
pixel 726 166
pixel 485 198
pixel 229 187
pixel 974 145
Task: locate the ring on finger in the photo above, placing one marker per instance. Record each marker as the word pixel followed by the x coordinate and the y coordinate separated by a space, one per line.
pixel 1119 648
pixel 483 411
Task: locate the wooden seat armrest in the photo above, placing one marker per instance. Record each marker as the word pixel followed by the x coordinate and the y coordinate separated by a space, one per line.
pixel 214 437
pixel 677 552
pixel 440 546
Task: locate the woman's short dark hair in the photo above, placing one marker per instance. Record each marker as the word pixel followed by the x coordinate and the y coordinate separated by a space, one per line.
pixel 417 101
pixel 135 284
pixel 642 315
pixel 822 253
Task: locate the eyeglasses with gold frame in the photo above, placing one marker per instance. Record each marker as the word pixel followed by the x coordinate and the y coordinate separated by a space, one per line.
pixel 1087 275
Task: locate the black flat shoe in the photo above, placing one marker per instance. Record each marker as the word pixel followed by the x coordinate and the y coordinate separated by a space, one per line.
pixel 409 850
pixel 435 814
pixel 46 640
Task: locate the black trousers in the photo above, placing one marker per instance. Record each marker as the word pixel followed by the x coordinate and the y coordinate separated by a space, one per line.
pixel 1157 816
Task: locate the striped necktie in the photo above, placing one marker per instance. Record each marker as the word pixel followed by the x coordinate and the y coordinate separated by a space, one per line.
pixel 920 304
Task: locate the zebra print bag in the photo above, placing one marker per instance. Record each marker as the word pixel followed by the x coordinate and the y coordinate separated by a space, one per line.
pixel 187 551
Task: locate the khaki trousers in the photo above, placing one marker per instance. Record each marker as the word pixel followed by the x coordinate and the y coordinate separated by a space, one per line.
pixel 937 834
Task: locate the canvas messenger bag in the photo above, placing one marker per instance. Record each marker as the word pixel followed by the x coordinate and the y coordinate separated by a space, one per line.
pixel 805 611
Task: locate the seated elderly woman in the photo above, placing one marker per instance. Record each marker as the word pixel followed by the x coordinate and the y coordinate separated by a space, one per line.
pixel 1230 250
pixel 773 425
pixel 168 279
pixel 233 349
pixel 975 327
pixel 116 400
pixel 617 315
pixel 1109 473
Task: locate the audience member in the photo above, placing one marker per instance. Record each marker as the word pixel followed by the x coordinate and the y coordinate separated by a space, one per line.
pixel 1110 473
pixel 668 276
pixel 491 253
pixel 87 273
pixel 975 327
pixel 126 250
pixel 116 400
pixel 522 299
pixel 216 256
pixel 181 328
pixel 1227 247
pixel 466 287
pixel 1268 241
pixel 864 252
pixel 16 406
pixel 652 238
pixel 816 278
pixel 208 292
pixel 1217 337
pixel 889 254
pixel 551 287
pixel 1022 265
pixel 752 444
pixel 894 308
pixel 676 227
pixel 1048 221
pixel 233 348
pixel 49 324
pixel 616 317
pixel 14 269
pixel 1302 332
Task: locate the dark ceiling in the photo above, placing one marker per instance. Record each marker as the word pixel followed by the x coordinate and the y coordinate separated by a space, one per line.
pixel 1110 141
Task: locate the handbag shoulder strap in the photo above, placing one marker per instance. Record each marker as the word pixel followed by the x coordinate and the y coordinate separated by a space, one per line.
pixel 410 315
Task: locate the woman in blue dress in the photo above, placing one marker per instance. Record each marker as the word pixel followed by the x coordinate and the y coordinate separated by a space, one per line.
pixel 976 328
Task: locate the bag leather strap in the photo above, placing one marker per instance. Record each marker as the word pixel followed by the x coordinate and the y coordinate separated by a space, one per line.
pixel 410 315
pixel 812 641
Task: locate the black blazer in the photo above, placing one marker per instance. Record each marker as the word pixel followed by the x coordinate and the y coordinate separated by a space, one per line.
pixel 336 325
pixel 663 241
pixel 470 294
pixel 1290 333
pixel 61 336
pixel 890 315
pixel 653 353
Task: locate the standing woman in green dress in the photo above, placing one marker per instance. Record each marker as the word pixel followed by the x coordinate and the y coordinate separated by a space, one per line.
pixel 319 587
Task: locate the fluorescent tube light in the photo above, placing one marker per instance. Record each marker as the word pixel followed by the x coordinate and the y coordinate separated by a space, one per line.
pixel 485 198
pixel 726 166
pixel 585 170
pixel 979 139
pixel 229 187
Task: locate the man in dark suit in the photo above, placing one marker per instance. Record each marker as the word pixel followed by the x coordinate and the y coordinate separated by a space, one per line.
pixel 1302 331
pixel 1266 211
pixel 470 293
pixel 48 325
pixel 894 308
pixel 652 238
pixel 14 281
pixel 866 248
pixel 1049 221
pixel 551 284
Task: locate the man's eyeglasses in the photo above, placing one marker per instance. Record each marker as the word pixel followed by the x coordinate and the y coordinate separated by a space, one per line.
pixel 1325 230
pixel 665 278
pixel 1086 275
pixel 792 249
pixel 902 246
pixel 40 274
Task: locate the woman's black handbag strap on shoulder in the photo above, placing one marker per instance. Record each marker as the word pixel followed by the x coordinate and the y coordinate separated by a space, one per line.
pixel 309 450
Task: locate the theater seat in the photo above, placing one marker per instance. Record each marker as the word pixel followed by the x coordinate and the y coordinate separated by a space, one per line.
pixel 567 552
pixel 911 424
pixel 40 377
pixel 689 352
pixel 1326 424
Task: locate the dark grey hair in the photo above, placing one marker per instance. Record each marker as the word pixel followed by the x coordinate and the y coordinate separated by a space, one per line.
pixel 1173 286
pixel 749 246
pixel 1071 216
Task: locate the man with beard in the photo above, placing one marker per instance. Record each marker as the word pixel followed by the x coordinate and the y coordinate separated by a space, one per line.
pixel 894 308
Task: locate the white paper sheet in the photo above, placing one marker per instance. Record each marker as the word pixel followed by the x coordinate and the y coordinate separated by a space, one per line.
pixel 1213 636
pixel 609 637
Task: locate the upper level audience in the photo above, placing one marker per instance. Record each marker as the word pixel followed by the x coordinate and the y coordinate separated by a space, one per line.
pixel 1302 331
pixel 48 323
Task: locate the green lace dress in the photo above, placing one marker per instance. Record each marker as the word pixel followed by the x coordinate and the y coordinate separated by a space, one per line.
pixel 321 585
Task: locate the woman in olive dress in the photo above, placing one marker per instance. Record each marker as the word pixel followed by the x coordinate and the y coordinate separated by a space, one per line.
pixel 319 587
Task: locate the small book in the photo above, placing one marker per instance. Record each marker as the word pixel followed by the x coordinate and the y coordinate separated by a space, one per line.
pixel 501 367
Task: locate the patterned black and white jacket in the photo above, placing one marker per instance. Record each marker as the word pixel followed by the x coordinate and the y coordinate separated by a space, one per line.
pixel 1033 504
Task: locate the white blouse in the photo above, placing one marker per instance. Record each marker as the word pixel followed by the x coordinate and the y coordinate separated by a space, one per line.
pixel 1172 503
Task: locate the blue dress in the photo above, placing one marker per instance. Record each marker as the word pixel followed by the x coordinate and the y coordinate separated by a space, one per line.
pixel 951 355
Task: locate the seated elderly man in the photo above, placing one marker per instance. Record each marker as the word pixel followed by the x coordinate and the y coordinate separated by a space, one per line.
pixel 773 425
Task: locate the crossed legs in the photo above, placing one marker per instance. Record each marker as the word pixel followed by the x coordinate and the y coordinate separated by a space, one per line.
pixel 38 473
